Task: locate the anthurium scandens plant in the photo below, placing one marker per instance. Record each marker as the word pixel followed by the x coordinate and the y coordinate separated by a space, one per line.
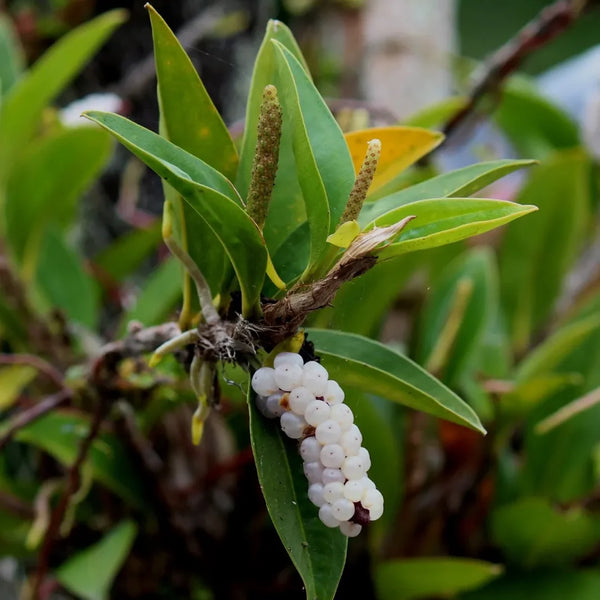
pixel 267 236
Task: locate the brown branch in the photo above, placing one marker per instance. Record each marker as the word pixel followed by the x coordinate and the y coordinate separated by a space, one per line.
pixel 15 505
pixel 44 367
pixel 58 514
pixel 35 412
pixel 549 23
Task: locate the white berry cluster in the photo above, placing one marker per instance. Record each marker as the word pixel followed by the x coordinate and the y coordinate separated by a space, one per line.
pixel 311 409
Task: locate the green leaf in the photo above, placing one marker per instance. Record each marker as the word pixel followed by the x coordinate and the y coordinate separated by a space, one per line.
pixel 449 339
pixel 462 182
pixel 13 379
pixel 533 534
pixel 264 74
pixel 60 433
pixel 126 253
pixel 208 193
pixel 46 183
pixel 547 357
pixel 438 113
pixel 318 139
pixel 64 283
pixel 22 108
pixel 536 253
pixel 408 578
pixel 441 221
pixel 89 574
pixel 318 553
pixel 371 367
pixel 161 291
pixel 12 60
pixel 545 584
pixel 190 118
pixel 534 125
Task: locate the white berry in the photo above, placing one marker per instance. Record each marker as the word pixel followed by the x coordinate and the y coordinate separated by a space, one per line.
pixel 261 404
pixel 315 494
pixel 372 498
pixel 327 517
pixel 332 456
pixel 376 511
pixel 354 489
pixel 288 376
pixel 343 509
pixel 310 450
pixel 351 440
pixel 350 529
pixel 317 412
pixel 353 467
pixel 314 378
pixel 288 358
pixel 364 455
pixel 330 475
pixel 333 491
pixel 328 432
pixel 342 413
pixel 263 381
pixel 300 398
pixel 273 407
pixel 334 393
pixel 292 425
pixel 313 471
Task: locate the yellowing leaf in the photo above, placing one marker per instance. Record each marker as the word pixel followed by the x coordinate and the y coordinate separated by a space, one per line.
pixel 400 148
pixel 343 236
pixel 12 380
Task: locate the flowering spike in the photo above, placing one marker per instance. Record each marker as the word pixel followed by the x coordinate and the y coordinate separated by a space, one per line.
pixel 266 156
pixel 362 182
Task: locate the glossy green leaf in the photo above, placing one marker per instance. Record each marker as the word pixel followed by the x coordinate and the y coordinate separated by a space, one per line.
pixel 23 106
pixel 64 283
pixel 125 254
pixel 89 573
pixel 536 253
pixel 456 314
pixel 158 297
pixel 190 118
pixel 408 578
pixel 264 74
pixel 46 183
pixel 534 125
pixel 545 584
pixel 208 193
pixel 318 139
pixel 13 378
pixel 441 221
pixel 60 432
pixel 531 533
pixel 12 60
pixel 462 182
pixel 318 553
pixel 371 367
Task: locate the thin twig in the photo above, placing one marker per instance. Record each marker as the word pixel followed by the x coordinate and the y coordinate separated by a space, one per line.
pixel 58 514
pixel 42 366
pixel 568 411
pixel 35 412
pixel 549 23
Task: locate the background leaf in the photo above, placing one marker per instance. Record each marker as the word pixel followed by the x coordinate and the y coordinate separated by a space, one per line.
pixel 60 432
pixel 536 253
pixel 22 107
pixel 408 578
pixel 89 574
